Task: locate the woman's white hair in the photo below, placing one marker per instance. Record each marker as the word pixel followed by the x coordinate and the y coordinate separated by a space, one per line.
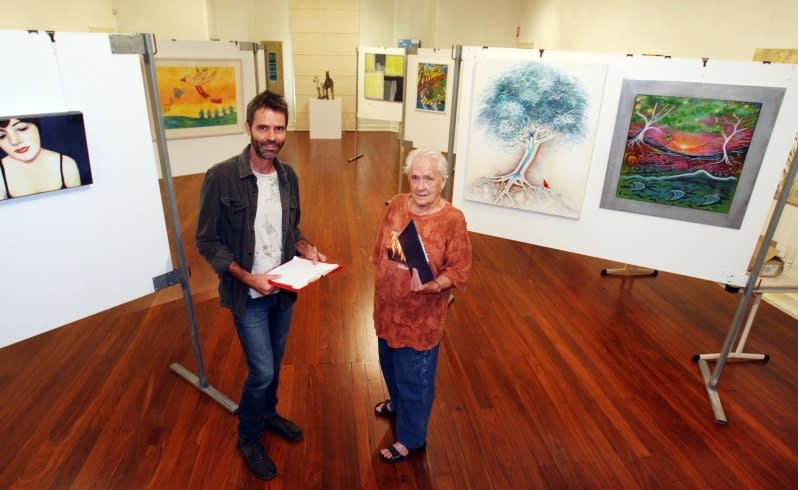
pixel 433 155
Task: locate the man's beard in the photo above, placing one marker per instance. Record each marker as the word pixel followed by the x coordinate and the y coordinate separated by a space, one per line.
pixel 262 152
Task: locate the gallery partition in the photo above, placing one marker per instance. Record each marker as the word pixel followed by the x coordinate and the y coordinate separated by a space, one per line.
pixel 97 238
pixel 431 105
pixel 545 181
pixel 380 86
pixel 70 253
pixel 222 77
pixel 670 164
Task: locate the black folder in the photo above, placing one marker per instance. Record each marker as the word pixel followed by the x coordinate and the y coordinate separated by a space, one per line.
pixel 414 252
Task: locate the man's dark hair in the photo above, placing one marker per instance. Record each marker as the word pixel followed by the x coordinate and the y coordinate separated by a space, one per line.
pixel 267 100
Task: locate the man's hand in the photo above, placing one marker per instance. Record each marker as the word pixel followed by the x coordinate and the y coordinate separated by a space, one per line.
pixel 258 282
pixel 310 252
pixel 261 284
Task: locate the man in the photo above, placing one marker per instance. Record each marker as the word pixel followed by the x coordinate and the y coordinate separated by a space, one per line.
pixel 248 224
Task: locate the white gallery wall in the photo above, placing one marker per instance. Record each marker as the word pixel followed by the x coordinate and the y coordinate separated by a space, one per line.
pixel 697 28
pixel 729 30
pixel 69 15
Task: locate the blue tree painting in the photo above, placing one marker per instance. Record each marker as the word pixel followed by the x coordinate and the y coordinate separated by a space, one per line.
pixel 542 116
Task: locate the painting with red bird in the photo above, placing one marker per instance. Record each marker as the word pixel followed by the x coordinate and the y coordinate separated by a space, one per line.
pixel 199 97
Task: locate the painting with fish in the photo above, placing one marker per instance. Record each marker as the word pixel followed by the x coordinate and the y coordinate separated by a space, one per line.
pixel 200 98
pixel 689 151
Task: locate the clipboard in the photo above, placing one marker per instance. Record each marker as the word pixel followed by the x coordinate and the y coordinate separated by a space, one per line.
pixel 299 272
pixel 414 253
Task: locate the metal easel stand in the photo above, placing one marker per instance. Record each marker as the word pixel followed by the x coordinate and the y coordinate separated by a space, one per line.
pixel 357 155
pixel 751 291
pixel 143 44
pixel 402 141
pixel 457 57
pixel 739 351
pixel 629 270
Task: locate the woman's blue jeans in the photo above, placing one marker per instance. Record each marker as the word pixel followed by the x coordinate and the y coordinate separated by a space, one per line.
pixel 410 377
pixel 262 330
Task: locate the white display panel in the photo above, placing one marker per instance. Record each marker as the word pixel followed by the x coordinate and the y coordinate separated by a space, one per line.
pixel 696 250
pixel 370 108
pixel 426 128
pixel 73 253
pixel 196 155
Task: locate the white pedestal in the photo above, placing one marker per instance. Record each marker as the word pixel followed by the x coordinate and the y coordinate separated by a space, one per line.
pixel 325 119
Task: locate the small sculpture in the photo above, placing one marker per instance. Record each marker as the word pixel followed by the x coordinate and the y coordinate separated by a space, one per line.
pixel 317 84
pixel 328 87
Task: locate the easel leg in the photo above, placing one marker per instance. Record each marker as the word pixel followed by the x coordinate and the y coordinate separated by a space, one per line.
pixel 739 353
pixel 629 270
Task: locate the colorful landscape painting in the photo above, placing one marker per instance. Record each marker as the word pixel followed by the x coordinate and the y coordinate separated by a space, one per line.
pixel 685 151
pixel 202 96
pixel 431 87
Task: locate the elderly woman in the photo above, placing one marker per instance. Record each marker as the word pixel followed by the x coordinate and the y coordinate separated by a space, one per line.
pixel 27 168
pixel 408 314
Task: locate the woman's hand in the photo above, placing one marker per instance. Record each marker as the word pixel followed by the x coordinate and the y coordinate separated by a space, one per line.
pixel 431 287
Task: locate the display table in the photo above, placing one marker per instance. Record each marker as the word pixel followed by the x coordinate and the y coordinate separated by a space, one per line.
pixel 325 119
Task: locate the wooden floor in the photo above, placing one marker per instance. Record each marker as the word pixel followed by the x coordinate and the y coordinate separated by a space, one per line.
pixel 550 376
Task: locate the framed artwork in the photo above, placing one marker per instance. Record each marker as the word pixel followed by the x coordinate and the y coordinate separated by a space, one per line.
pixel 776 55
pixel 531 134
pixel 384 77
pixel 273 52
pixel 200 97
pixel 42 153
pixel 688 151
pixel 409 43
pixel 431 87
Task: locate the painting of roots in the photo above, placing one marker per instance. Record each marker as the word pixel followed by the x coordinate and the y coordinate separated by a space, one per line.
pixel 538 121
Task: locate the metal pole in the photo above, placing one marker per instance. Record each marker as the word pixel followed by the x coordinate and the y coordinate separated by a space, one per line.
pixel 201 380
pixel 357 79
pixel 458 57
pixel 755 271
pixel 711 380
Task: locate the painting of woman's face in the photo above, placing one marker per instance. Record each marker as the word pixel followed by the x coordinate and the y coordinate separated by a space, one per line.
pixel 20 140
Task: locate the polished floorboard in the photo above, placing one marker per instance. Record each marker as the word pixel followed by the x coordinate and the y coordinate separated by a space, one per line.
pixel 551 376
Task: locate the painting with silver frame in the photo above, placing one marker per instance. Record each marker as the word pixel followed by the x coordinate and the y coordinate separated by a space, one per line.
pixel 688 151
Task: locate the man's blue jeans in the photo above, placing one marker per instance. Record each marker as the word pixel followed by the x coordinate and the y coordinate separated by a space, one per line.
pixel 262 330
pixel 410 378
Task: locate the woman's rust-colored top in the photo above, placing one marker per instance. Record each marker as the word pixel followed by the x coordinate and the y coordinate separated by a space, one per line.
pixel 401 317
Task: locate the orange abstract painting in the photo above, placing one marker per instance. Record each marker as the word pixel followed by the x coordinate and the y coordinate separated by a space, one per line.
pixel 199 98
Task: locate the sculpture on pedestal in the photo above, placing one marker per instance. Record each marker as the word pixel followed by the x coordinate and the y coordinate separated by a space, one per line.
pixel 328 87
